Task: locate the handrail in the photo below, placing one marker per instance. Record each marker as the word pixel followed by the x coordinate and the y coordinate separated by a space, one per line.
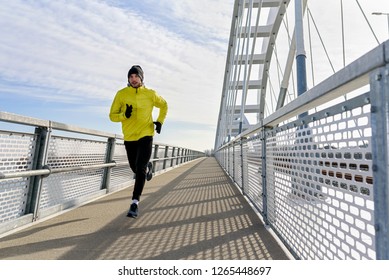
pixel 46 170
pixel 29 121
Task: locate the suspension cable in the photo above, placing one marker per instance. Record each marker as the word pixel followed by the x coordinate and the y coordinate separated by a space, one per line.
pixel 278 65
pixel 368 23
pixel 292 92
pixel 321 40
pixel 311 51
pixel 343 45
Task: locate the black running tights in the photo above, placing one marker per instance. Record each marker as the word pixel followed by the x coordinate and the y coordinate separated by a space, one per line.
pixel 138 154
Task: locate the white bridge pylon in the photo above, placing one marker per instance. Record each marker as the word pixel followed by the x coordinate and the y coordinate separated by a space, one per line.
pixel 254 29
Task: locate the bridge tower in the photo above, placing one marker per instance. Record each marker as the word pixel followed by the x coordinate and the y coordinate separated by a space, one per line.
pixel 245 99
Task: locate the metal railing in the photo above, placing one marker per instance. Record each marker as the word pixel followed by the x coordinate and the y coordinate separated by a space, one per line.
pixel 321 180
pixel 46 167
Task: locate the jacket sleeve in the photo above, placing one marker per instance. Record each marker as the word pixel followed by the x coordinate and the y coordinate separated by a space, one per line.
pixel 115 113
pixel 162 105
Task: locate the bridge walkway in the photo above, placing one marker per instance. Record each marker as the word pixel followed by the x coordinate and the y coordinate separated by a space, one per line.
pixel 192 212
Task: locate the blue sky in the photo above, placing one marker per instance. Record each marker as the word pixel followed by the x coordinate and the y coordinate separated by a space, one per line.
pixel 65 60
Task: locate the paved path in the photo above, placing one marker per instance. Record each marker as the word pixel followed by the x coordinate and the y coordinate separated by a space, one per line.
pixel 192 212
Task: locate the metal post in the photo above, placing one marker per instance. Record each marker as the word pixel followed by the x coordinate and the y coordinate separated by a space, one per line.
pixel 155 156
pixel 165 156
pixel 379 84
pixel 263 175
pixel 183 154
pixel 42 135
pixel 226 159
pixel 172 161
pixel 233 161
pixel 242 166
pixel 105 184
pixel 178 155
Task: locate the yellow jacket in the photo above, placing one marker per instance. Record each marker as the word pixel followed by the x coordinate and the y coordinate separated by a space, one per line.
pixel 143 100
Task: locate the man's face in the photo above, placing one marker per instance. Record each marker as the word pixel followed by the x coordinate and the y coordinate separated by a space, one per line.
pixel 134 80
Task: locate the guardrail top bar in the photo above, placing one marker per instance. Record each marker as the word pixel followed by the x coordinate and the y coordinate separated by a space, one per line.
pixel 29 121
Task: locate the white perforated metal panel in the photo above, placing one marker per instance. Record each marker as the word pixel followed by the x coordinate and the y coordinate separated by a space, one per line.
pixel 253 174
pixel 238 165
pixel 123 173
pixel 16 152
pixel 319 180
pixel 71 152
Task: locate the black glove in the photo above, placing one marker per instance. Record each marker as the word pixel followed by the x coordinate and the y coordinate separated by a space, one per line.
pixel 128 111
pixel 158 127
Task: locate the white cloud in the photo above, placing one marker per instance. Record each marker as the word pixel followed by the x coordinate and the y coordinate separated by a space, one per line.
pixel 83 49
pixel 79 51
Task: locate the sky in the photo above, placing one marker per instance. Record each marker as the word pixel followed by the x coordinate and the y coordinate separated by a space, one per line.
pixel 65 60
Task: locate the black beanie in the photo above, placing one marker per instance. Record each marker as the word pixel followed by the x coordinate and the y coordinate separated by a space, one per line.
pixel 136 69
